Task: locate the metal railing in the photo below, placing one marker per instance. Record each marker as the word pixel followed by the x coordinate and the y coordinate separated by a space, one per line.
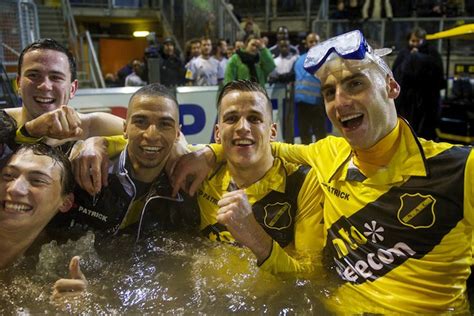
pixel 95 70
pixel 115 4
pixel 19 27
pixel 228 25
pixel 392 33
pixel 168 13
pixel 194 19
pixel 29 24
pixel 71 27
pixel 79 42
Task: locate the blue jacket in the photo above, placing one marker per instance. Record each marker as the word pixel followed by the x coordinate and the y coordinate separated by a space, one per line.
pixel 307 87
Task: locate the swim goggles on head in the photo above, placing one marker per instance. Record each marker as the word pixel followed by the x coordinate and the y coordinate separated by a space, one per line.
pixel 351 45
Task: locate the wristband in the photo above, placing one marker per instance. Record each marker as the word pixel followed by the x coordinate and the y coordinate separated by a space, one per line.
pixel 22 136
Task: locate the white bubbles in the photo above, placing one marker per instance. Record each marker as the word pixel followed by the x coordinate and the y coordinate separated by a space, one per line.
pixel 168 273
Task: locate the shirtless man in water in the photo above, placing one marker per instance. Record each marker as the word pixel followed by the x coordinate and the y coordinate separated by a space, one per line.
pixel 35 184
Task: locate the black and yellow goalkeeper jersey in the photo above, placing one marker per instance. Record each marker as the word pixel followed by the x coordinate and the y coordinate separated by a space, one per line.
pixel 287 204
pixel 399 240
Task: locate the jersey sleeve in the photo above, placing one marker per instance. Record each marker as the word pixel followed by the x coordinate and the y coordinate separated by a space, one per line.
pixel 309 227
pixel 115 145
pixel 218 152
pixel 293 153
pixel 191 71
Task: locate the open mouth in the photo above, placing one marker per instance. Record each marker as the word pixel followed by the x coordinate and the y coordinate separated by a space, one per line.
pixel 12 207
pixel 151 149
pixel 43 100
pixel 242 142
pixel 352 121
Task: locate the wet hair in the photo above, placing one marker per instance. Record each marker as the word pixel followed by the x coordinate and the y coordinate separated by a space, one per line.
pixel 49 43
pixel 41 149
pixel 157 90
pixel 7 128
pixel 244 86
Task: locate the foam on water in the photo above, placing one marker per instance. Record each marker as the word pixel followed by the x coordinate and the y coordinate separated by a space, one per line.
pixel 166 273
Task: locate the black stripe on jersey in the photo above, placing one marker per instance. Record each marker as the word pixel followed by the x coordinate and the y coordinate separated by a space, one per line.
pixel 408 221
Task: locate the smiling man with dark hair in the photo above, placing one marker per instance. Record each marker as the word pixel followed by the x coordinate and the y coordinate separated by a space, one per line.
pixel 138 195
pixel 36 183
pixel 256 200
pixel 47 80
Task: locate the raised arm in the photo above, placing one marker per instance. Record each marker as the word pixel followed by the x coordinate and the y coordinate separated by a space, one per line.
pixel 300 154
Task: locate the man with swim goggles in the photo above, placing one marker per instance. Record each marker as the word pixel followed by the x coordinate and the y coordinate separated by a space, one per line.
pixel 350 46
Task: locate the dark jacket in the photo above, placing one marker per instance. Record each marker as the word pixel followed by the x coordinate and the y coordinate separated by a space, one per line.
pixel 106 211
pixel 421 78
pixel 172 71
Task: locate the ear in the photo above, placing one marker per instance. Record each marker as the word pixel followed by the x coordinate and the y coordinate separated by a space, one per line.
pixel 67 203
pixel 217 134
pixel 18 85
pixel 273 130
pixel 178 133
pixel 393 88
pixel 74 86
pixel 125 135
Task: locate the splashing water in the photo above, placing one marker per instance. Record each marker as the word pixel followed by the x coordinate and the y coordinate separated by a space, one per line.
pixel 166 273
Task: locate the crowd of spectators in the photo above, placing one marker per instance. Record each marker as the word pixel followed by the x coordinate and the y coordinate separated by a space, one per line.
pixel 209 62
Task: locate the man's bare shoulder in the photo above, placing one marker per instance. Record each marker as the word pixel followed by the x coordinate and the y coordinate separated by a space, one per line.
pixel 99 115
pixel 15 113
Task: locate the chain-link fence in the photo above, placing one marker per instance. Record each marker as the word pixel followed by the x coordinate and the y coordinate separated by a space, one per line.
pixel 194 19
pixel 18 28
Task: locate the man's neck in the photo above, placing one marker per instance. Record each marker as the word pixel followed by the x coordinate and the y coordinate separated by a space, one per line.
pixel 13 245
pixel 244 178
pixel 147 175
pixel 371 159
